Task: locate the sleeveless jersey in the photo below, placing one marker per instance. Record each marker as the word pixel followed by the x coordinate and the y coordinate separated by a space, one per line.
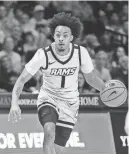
pixel 60 77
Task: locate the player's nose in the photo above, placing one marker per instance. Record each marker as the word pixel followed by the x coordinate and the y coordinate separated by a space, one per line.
pixel 61 38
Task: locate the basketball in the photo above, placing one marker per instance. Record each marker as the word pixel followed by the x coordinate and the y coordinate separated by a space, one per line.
pixel 114 93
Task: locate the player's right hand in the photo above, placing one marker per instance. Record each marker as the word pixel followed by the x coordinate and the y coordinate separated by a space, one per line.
pixel 14 114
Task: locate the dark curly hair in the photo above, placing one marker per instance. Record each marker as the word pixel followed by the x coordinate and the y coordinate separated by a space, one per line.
pixel 66 19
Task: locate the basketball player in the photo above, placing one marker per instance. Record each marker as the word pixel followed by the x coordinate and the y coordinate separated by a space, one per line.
pixel 58 100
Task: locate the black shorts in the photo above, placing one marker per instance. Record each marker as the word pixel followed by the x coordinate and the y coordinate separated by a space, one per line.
pixel 49 114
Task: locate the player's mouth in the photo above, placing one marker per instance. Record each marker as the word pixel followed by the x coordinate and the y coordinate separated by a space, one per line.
pixel 61 44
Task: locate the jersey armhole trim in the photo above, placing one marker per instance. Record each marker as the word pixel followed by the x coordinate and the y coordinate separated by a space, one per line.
pixel 45 51
pixel 79 54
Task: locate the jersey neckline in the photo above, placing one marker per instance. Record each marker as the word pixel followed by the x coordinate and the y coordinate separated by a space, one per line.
pixel 62 62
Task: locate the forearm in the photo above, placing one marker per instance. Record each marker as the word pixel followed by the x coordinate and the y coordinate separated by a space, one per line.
pixel 17 90
pixel 18 87
pixel 95 82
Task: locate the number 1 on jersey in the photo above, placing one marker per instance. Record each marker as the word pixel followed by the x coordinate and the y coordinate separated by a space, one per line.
pixel 62 81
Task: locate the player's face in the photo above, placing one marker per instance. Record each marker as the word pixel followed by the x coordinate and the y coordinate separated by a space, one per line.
pixel 62 37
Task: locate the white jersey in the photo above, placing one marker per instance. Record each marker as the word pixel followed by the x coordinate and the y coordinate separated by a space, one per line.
pixel 60 73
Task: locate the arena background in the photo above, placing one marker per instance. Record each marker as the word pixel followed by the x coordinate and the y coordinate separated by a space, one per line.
pixel 105 28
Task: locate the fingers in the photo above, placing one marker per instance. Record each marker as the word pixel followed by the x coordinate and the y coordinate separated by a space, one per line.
pixel 19 114
pixel 14 115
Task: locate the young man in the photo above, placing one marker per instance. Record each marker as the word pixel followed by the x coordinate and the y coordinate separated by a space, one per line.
pixel 58 100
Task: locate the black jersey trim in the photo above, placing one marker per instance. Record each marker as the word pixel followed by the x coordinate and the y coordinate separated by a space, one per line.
pixel 79 54
pixel 45 51
pixel 63 62
pixel 67 123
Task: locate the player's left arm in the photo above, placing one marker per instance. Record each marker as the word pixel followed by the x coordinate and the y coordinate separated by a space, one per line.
pixel 88 71
pixel 94 81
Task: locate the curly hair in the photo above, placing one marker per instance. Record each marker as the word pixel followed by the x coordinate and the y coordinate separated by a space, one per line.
pixel 66 19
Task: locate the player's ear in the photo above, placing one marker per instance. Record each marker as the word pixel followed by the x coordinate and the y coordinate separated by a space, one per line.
pixel 71 38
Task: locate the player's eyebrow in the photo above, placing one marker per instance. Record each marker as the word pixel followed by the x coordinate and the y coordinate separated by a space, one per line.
pixel 60 32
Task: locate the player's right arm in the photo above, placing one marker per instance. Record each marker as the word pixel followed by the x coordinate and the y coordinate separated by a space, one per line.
pixel 15 111
pixel 30 69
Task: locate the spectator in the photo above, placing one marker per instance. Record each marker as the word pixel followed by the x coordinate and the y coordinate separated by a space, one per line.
pixel 50 9
pixel 3 13
pixel 114 21
pixel 124 13
pixel 109 9
pixel 83 10
pixel 10 65
pixel 123 30
pixel 83 87
pixel 18 14
pixel 38 16
pixel 9 21
pixel 24 22
pixel 43 32
pixel 101 71
pixel 120 52
pixel 102 17
pixel 17 34
pixel 29 47
pixel 125 27
pixel 65 6
pixel 2 37
pixel 91 43
pixel 121 71
pixel 105 42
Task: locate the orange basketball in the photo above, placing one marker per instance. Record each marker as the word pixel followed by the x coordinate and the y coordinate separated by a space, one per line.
pixel 114 93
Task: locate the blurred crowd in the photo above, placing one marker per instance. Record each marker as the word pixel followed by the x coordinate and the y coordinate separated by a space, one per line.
pixel 24 27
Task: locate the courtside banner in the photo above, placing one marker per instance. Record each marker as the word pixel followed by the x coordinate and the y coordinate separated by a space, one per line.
pixel 92 134
pixel 29 101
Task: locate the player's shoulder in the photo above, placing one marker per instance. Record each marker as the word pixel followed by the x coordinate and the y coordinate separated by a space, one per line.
pixel 40 53
pixel 44 50
pixel 80 46
pixel 83 49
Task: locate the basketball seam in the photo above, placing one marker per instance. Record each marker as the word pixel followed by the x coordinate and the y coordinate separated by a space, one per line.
pixel 111 88
pixel 115 97
pixel 121 102
pixel 116 81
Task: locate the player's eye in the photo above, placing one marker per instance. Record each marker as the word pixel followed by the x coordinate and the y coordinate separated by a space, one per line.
pixel 57 35
pixel 65 36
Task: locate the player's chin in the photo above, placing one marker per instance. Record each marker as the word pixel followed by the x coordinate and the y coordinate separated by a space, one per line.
pixel 61 49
